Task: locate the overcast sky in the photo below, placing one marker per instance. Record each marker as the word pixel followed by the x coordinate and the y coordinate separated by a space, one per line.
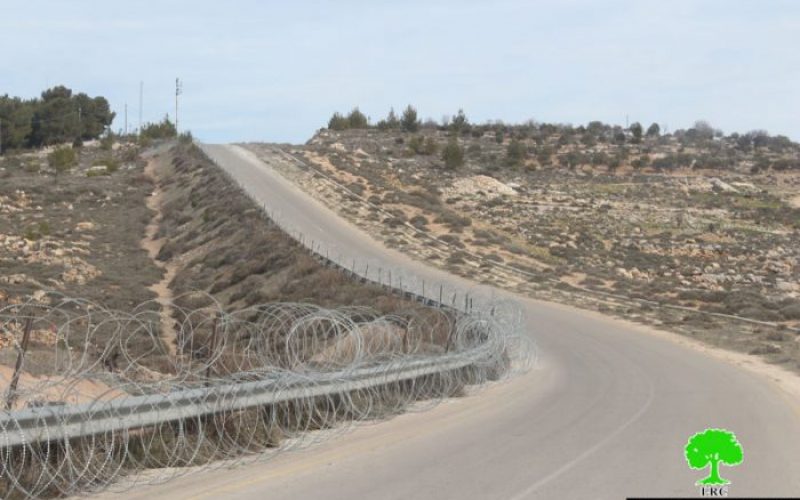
pixel 275 71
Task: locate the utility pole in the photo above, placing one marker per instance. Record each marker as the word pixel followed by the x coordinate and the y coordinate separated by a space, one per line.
pixel 126 119
pixel 178 91
pixel 80 122
pixel 141 94
pixel 1 136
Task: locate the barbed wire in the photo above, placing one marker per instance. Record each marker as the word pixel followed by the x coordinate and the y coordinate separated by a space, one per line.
pixel 87 377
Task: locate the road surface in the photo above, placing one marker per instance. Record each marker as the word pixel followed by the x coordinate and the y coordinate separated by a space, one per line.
pixel 605 414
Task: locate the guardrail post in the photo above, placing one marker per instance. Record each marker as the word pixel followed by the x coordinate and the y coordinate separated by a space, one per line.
pixel 12 388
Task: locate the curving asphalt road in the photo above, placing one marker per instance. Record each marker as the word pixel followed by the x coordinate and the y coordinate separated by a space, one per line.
pixel 606 413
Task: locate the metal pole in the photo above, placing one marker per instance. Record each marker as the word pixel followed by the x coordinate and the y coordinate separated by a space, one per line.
pixel 12 388
pixel 213 345
pixel 440 295
pixel 141 95
pixel 177 93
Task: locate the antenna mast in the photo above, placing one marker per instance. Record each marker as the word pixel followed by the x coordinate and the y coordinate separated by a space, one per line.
pixel 178 91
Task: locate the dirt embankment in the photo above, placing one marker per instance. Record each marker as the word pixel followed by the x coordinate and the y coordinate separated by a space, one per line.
pixel 221 248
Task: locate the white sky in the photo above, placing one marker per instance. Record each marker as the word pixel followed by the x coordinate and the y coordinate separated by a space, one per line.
pixel 275 71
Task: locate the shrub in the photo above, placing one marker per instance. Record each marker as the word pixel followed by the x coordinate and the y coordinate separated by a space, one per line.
pixel 165 129
pixel 636 132
pixel 516 152
pixel 110 163
pixel 430 146
pixel 107 142
pixel 357 119
pixel 453 155
pixel 391 122
pixel 409 121
pixel 338 122
pixel 62 159
pixel 415 144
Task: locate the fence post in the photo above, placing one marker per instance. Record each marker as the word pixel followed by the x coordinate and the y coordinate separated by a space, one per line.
pixel 213 346
pixel 440 295
pixel 12 388
pixel 449 339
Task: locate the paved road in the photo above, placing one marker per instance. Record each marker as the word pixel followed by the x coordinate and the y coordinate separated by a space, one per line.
pixel 606 414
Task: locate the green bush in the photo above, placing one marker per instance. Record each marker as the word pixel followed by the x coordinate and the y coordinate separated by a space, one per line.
pixel 357 119
pixel 62 159
pixel 516 152
pixel 453 155
pixel 410 122
pixel 165 129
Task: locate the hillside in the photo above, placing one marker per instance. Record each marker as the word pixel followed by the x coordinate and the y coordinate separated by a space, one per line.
pixel 706 222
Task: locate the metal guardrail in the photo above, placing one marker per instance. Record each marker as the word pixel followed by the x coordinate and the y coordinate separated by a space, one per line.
pixel 56 423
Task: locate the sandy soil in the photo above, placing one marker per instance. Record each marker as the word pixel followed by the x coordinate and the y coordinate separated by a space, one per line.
pixel 153 245
pixel 53 389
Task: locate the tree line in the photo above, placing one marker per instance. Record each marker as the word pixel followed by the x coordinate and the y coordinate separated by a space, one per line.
pixel 58 116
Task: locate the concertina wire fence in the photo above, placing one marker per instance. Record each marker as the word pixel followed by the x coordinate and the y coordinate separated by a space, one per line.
pixel 95 399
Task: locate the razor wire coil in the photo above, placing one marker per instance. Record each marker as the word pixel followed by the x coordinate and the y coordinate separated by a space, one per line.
pixel 102 400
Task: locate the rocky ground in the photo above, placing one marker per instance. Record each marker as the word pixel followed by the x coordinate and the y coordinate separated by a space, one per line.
pixel 77 233
pixel 622 239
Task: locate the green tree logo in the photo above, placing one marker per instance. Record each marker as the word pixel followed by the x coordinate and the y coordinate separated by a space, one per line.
pixel 712 447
